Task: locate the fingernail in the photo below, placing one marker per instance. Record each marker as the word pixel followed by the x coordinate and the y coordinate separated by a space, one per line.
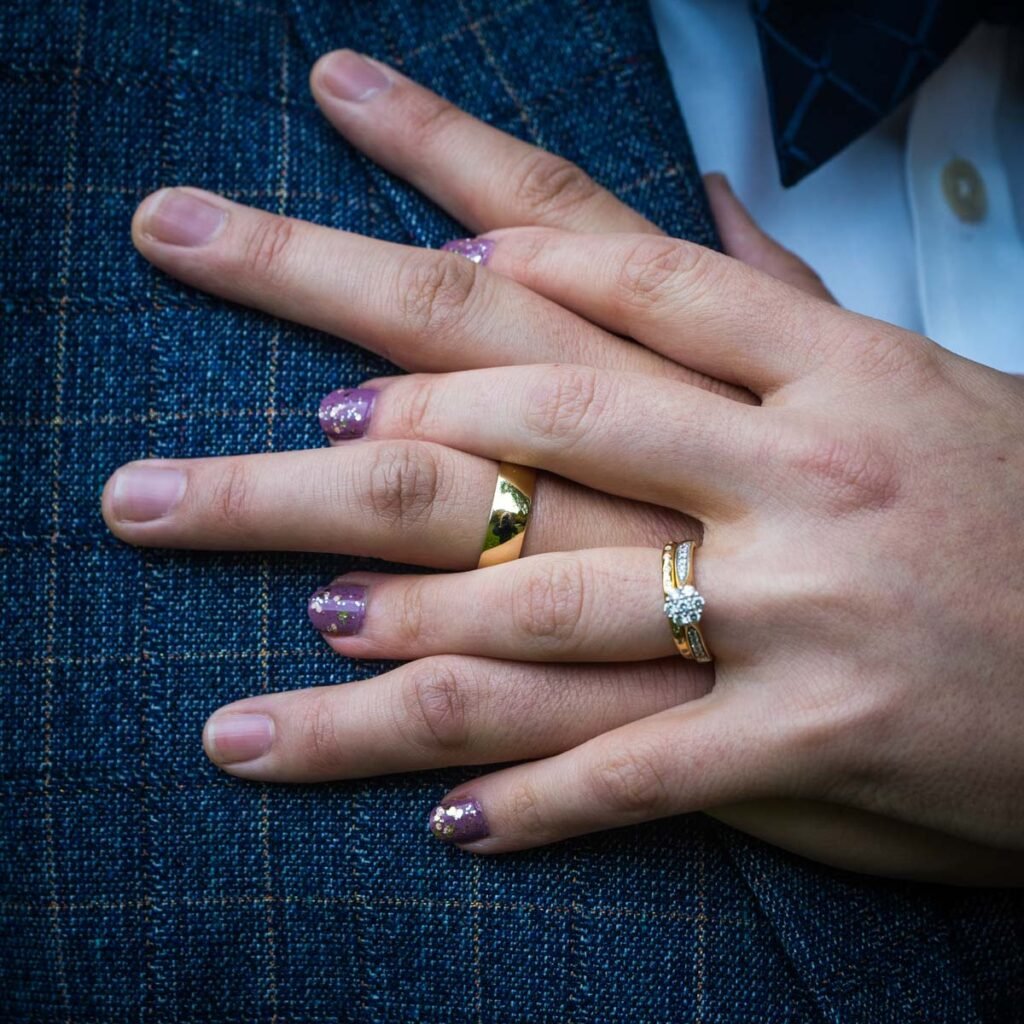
pixel 142 493
pixel 180 218
pixel 461 822
pixel 476 250
pixel 346 412
pixel 348 75
pixel 235 737
pixel 338 609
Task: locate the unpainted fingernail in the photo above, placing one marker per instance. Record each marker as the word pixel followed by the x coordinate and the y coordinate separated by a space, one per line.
pixel 345 413
pixel 143 493
pixel 180 218
pixel 234 737
pixel 476 250
pixel 338 609
pixel 348 75
pixel 459 822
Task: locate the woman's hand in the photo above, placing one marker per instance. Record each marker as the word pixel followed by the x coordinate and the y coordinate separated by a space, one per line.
pixel 861 557
pixel 860 656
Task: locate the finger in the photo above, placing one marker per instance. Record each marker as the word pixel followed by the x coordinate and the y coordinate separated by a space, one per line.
pixel 438 712
pixel 628 434
pixel 743 238
pixel 404 501
pixel 598 604
pixel 718 749
pixel 420 308
pixel 694 305
pixel 483 177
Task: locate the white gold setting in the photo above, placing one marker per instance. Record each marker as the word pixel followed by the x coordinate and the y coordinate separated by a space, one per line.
pixel 684 606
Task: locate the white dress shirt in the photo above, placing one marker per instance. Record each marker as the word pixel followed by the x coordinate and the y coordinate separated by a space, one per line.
pixel 918 222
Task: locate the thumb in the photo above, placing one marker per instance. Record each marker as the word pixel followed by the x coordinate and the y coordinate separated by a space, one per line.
pixel 744 240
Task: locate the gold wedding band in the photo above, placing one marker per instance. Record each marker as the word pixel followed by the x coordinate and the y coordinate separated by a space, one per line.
pixel 510 514
pixel 683 603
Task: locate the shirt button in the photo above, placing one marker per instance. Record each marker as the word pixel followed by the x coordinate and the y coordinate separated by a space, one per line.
pixel 964 190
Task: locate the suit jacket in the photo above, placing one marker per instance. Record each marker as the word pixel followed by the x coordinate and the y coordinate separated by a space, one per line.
pixel 138 882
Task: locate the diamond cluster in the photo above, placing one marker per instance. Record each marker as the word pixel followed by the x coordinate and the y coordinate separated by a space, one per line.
pixel 684 606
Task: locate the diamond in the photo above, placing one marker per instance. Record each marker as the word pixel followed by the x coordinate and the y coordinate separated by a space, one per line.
pixel 682 562
pixel 684 606
pixel 696 646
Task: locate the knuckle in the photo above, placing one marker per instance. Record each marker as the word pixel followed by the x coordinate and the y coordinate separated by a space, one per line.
pixel 231 495
pixel 656 268
pixel 267 248
pixel 562 404
pixel 525 810
pixel 547 605
pixel 892 355
pixel 530 256
pixel 434 291
pixel 319 744
pixel 630 784
pixel 403 484
pixel 428 121
pixel 411 405
pixel 854 472
pixel 551 185
pixel 435 705
pixel 408 620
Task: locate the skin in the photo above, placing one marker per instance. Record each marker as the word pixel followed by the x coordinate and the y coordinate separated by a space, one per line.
pixel 857 486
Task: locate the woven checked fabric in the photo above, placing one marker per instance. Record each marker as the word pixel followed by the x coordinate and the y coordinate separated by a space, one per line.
pixel 139 883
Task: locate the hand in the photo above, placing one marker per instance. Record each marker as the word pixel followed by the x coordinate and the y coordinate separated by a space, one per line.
pixel 784 719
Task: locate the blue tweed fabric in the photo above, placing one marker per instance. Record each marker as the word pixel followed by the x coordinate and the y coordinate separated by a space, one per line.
pixel 137 882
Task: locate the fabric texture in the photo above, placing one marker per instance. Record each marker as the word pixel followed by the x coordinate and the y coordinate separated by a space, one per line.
pixel 138 882
pixel 835 69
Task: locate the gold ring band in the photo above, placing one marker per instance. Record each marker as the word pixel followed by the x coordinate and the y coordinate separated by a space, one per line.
pixel 683 603
pixel 510 514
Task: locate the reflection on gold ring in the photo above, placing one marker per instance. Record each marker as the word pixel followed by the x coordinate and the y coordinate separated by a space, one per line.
pixel 510 513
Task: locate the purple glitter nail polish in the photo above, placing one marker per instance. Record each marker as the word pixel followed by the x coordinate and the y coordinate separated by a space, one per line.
pixel 338 609
pixel 346 412
pixel 461 822
pixel 476 250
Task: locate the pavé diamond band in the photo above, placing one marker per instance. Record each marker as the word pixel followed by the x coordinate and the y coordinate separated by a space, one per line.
pixel 683 603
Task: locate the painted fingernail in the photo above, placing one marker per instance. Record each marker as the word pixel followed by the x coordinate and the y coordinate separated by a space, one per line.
pixel 461 822
pixel 180 218
pixel 348 75
pixel 476 250
pixel 338 609
pixel 142 493
pixel 235 737
pixel 346 412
